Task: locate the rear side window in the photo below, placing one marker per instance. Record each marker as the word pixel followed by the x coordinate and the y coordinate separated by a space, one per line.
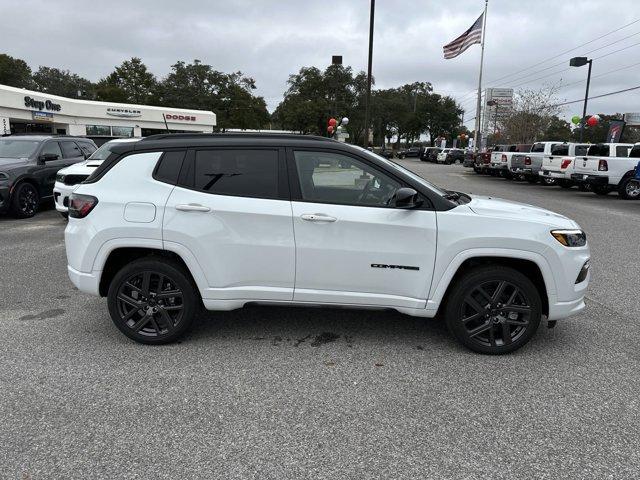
pixel 51 147
pixel 560 150
pixel 87 148
pixel 635 152
pixel 70 149
pixel 537 147
pixel 622 151
pixel 168 168
pixel 241 173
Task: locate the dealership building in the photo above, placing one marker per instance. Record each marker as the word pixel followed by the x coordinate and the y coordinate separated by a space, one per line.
pixel 24 111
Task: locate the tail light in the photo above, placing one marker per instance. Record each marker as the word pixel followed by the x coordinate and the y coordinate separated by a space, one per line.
pixel 504 157
pixel 527 160
pixel 565 163
pixel 81 205
pixel 603 166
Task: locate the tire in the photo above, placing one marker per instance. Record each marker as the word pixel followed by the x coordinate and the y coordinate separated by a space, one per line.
pixel 140 313
pixel 565 184
pixel 629 189
pixel 477 321
pixel 601 189
pixel 25 201
pixel 531 179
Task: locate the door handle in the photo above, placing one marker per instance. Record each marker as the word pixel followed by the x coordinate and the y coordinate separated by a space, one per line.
pixel 317 217
pixel 192 207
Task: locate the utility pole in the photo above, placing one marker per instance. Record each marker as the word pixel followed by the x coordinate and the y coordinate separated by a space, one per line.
pixel 579 62
pixel 477 136
pixel 367 103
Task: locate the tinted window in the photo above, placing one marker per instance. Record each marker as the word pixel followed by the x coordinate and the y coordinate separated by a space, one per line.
pixel 168 167
pixel 581 150
pixel 598 150
pixel 635 152
pixel 523 148
pixel 327 177
pixel 622 151
pixel 87 148
pixel 51 147
pixel 537 147
pixel 560 149
pixel 243 173
pixel 513 148
pixel 70 150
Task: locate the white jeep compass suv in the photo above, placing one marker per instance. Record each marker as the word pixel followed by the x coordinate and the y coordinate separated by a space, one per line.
pixel 177 221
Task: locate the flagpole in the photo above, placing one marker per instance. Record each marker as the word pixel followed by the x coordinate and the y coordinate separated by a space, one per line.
pixel 478 106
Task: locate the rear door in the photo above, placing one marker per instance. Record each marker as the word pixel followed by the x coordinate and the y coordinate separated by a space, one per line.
pixel 231 213
pixel 352 247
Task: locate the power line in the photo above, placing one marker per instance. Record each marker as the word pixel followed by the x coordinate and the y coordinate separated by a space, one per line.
pixel 593 98
pixel 566 51
pixel 601 75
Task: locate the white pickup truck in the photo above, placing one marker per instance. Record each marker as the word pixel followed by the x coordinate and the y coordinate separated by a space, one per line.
pixel 559 164
pixel 608 167
pixel 529 165
pixel 500 163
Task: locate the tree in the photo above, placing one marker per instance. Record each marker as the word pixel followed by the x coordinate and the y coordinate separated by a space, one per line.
pixel 62 82
pixel 598 133
pixel 199 86
pixel 131 82
pixel 558 129
pixel 530 116
pixel 14 72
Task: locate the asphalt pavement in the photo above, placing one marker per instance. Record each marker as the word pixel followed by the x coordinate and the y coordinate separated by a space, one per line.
pixel 278 393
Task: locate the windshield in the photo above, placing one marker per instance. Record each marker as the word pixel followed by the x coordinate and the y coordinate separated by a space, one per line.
pixel 103 152
pixel 12 148
pixel 400 168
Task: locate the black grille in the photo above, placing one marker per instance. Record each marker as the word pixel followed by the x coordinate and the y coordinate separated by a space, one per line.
pixel 74 179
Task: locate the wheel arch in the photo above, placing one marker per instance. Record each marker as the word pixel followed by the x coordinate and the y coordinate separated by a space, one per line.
pixel 534 268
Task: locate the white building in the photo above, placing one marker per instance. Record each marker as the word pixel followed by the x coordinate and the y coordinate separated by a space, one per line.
pixel 27 111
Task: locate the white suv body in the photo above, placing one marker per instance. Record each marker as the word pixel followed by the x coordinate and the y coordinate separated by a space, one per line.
pixel 295 220
pixel 67 179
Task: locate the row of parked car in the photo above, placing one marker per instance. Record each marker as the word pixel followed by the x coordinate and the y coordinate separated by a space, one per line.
pixel 37 168
pixel 601 168
pixel 434 154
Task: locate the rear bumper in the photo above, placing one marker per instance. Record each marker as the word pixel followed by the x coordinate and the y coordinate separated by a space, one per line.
pixel 522 170
pixel 85 282
pixel 551 174
pixel 591 179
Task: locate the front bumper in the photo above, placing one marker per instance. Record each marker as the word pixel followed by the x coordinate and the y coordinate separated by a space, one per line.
pixel 61 194
pixel 590 179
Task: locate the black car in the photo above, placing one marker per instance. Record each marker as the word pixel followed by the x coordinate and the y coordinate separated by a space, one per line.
pixel 410 152
pixel 430 154
pixel 455 155
pixel 28 167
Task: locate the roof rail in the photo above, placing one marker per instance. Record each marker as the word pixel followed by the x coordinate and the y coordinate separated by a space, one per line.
pixel 174 136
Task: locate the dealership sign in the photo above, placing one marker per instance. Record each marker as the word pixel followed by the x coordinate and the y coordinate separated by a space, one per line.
pixel 173 116
pixel 123 112
pixel 42 116
pixel 41 105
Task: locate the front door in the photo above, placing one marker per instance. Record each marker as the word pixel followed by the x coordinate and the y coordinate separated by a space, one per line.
pixel 231 211
pixel 352 245
pixel 50 168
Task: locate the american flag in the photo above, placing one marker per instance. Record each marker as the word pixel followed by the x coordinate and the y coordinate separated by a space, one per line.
pixel 464 41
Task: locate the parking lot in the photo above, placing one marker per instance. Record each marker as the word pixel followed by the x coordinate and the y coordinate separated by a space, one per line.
pixel 268 392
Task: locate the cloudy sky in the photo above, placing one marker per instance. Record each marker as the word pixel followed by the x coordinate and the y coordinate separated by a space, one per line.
pixel 269 40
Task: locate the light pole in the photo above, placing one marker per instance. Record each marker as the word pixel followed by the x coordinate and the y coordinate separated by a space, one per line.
pixel 367 102
pixel 579 62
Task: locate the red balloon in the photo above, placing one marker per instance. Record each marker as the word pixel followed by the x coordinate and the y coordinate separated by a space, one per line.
pixel 332 122
pixel 592 122
pixel 330 128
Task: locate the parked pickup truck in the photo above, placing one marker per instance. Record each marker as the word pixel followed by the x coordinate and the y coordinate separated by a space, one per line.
pixel 529 164
pixel 501 161
pixel 608 167
pixel 481 161
pixel 559 165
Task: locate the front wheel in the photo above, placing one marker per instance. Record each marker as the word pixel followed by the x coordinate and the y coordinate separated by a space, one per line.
pixel 629 189
pixel 493 310
pixel 26 201
pixel 152 301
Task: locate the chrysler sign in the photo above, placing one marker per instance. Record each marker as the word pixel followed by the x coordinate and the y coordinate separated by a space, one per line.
pixel 123 112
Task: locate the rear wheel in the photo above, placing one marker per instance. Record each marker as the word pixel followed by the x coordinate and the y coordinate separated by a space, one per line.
pixel 152 301
pixel 601 189
pixel 493 310
pixel 629 189
pixel 26 201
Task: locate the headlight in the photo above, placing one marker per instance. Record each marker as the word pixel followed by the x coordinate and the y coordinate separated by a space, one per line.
pixel 59 178
pixel 570 238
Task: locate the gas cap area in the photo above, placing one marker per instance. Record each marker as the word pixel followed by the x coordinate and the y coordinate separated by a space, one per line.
pixel 139 212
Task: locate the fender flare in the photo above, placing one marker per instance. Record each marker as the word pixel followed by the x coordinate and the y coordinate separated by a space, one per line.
pixel 439 289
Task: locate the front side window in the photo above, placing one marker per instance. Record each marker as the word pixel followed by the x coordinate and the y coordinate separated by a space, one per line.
pixel 51 148
pixel 327 177
pixel 242 173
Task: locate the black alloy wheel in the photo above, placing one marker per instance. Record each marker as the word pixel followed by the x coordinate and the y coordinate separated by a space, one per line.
pixel 26 201
pixel 152 301
pixel 493 310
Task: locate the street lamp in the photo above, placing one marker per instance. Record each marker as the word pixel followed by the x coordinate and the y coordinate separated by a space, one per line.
pixel 579 62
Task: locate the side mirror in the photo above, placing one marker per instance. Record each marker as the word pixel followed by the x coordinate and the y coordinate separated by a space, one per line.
pixel 406 198
pixel 47 157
